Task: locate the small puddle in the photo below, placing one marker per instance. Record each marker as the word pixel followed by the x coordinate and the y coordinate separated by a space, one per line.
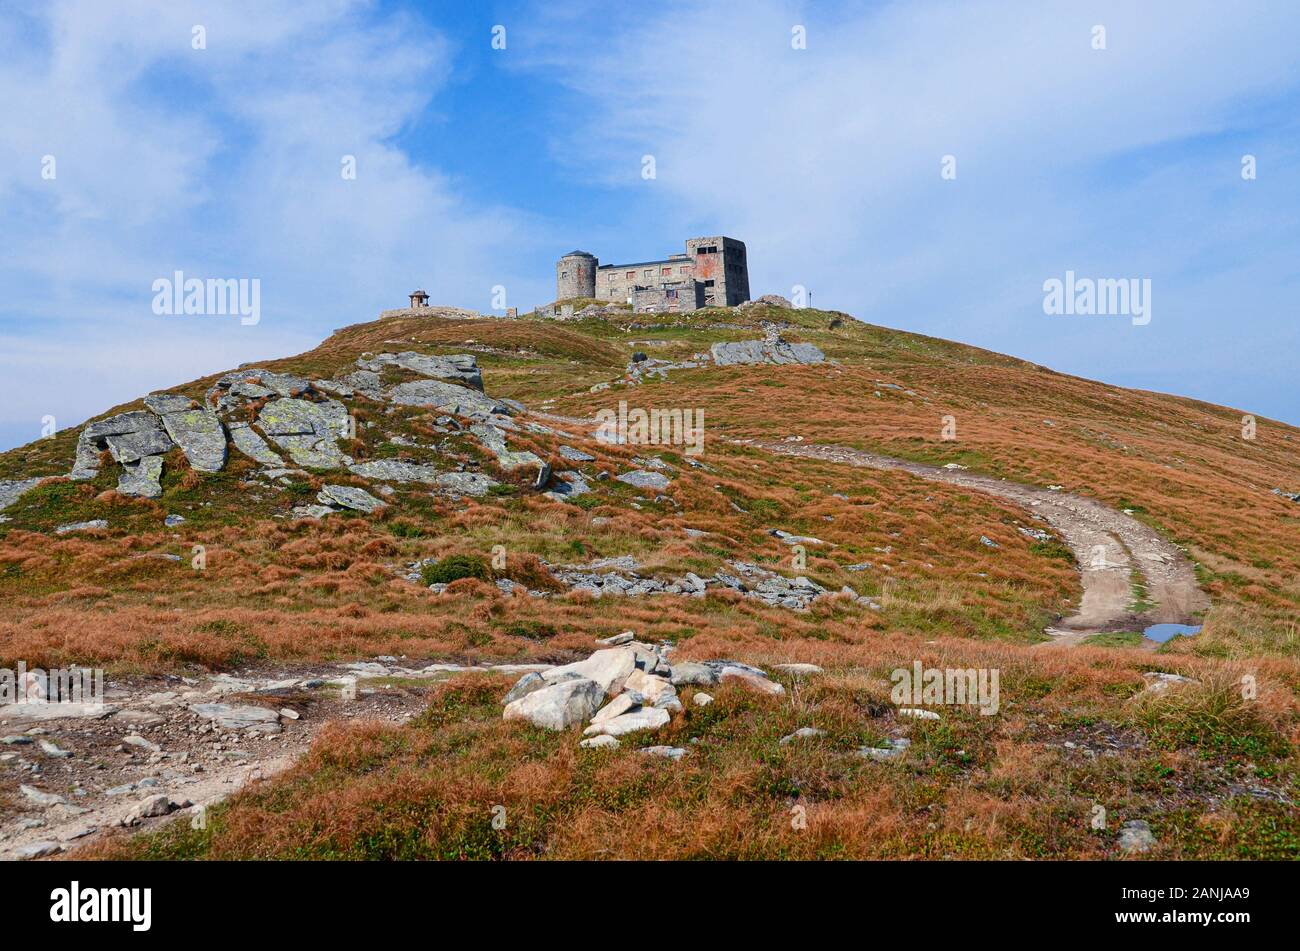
pixel 1164 632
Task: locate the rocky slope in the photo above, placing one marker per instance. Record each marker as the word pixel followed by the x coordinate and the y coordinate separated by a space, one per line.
pixel 424 504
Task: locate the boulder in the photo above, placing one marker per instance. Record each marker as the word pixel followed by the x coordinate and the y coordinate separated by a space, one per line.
pixel 772 350
pixel 142 479
pixel 132 447
pixel 295 417
pixel 37 850
pixel 576 455
pixel 644 479
pixel 608 668
pixel 39 797
pixel 250 443
pixel 654 690
pixel 461 367
pixel 799 670
pixel 688 673
pixel 896 748
pixel 917 713
pixel 350 498
pixel 803 733
pixel 667 752
pixel 11 492
pixel 447 397
pixel 494 440
pixel 1135 836
pixel 473 484
pixel 391 470
pixel 201 437
pixel 163 403
pixel 646 718
pixel 235 717
pixel 92 525
pixel 559 705
pixel 307 431
pixel 601 742
pixel 625 702
pixel 749 678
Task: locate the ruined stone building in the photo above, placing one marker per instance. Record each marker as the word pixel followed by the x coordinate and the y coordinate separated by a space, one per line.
pixel 713 272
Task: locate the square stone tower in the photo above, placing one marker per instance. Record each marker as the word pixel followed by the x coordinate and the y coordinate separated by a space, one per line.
pixel 721 266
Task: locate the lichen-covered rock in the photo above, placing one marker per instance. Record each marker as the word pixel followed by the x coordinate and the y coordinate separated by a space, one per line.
pixel 11 492
pixel 247 441
pixel 240 717
pixel 494 440
pixel 349 497
pixel 764 351
pixel 92 525
pixel 461 367
pixel 307 431
pixel 142 478
pixel 447 397
pixel 163 403
pixel 201 437
pixel 391 470
pixel 473 484
pixel 644 479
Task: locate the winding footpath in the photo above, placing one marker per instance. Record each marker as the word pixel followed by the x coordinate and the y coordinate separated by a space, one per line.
pixel 1107 544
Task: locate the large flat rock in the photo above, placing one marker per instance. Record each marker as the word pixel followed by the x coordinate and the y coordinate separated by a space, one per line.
pixel 11 492
pixel 447 397
pixel 558 706
pixel 201 437
pixel 461 367
pixel 142 478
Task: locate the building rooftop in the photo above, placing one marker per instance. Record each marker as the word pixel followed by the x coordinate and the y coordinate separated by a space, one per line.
pixel 615 267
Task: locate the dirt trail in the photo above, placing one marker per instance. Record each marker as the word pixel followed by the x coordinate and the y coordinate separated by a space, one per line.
pixel 1107 545
pixel 159 746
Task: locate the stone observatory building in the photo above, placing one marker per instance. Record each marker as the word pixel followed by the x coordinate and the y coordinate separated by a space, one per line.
pixel 714 272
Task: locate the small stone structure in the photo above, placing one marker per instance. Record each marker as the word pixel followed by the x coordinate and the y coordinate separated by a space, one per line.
pixel 714 272
pixel 419 300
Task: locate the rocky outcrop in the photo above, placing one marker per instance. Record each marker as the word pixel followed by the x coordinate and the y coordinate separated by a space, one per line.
pixel 494 440
pixel 447 398
pixel 771 350
pixel 261 411
pixel 461 367
pixel 308 432
pixel 349 497
pixel 642 479
pixel 389 470
pixel 11 492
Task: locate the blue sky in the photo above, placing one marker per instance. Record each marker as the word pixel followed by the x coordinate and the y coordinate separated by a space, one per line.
pixel 477 167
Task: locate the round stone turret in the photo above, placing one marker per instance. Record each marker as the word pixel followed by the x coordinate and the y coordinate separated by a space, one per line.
pixel 575 275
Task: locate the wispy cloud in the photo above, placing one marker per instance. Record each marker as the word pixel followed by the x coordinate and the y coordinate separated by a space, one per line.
pixel 1120 162
pixel 220 162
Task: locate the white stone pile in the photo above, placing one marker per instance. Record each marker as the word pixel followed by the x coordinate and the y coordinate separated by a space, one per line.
pixel 626 687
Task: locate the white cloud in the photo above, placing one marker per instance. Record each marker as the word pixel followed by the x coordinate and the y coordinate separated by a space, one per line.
pixel 221 162
pixel 1119 162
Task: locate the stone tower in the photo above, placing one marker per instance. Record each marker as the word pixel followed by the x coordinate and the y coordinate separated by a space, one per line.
pixel 575 275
